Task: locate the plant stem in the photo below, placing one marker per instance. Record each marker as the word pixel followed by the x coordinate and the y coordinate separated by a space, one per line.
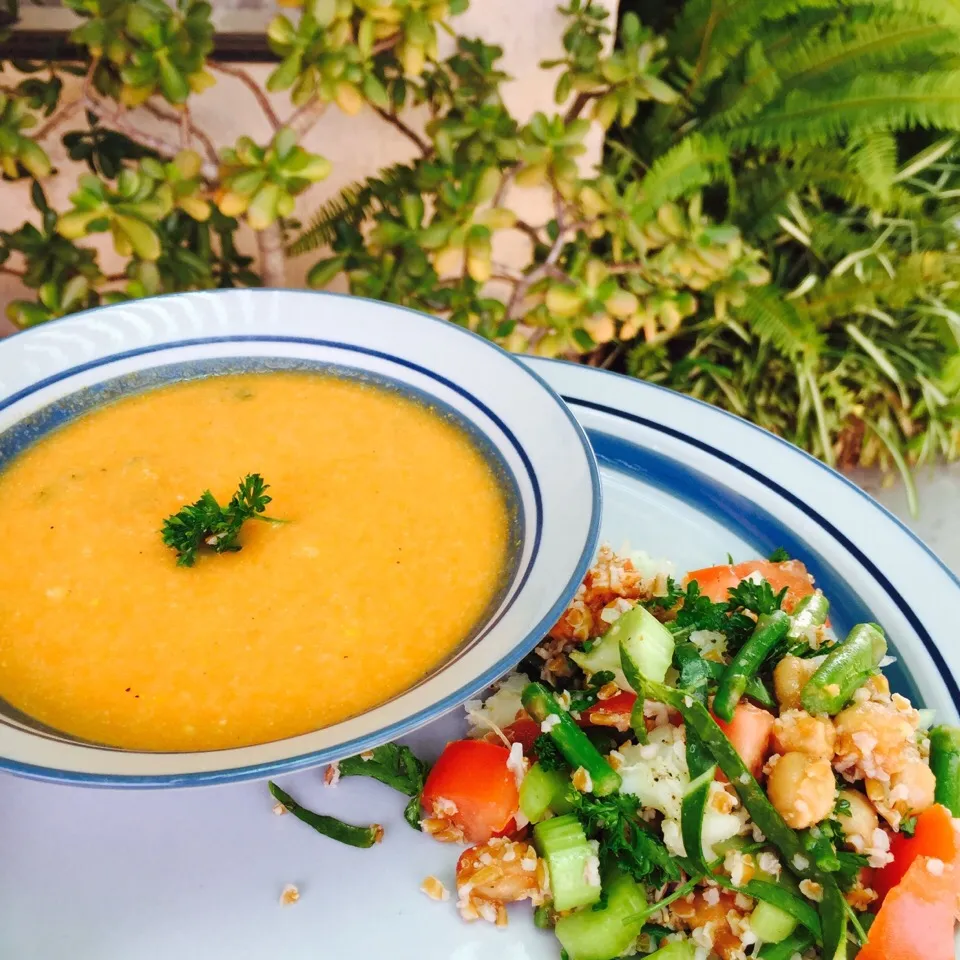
pixel 62 113
pixel 272 259
pixel 305 117
pixel 409 133
pixel 528 228
pixel 254 88
pixel 545 269
pixel 576 108
pixel 117 118
pixel 171 117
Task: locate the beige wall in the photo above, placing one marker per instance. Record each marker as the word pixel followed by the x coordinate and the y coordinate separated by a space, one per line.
pixel 528 30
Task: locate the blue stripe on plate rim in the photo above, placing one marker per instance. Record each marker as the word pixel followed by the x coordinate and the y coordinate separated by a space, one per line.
pixel 949 680
pixel 504 664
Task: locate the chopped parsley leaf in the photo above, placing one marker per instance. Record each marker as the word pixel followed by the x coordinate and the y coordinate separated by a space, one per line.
pixel 821 841
pixel 669 600
pixel 547 754
pixel 779 556
pixel 758 598
pixel 614 822
pixel 581 700
pixel 908 826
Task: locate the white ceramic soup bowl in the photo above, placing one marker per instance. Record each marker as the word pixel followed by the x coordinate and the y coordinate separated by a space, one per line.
pixel 52 373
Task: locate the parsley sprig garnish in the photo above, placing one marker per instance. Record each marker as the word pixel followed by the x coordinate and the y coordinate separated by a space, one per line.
pixel 206 523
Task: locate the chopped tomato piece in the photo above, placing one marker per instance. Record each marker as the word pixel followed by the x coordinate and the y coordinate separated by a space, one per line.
pixel 716 582
pixel 749 731
pixel 471 788
pixel 935 836
pixel 614 712
pixel 523 732
pixel 915 921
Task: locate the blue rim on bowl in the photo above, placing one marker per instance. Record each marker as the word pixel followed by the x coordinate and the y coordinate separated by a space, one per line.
pixel 111 350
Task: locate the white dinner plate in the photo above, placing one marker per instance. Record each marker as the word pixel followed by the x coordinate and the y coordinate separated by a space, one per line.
pixel 90 874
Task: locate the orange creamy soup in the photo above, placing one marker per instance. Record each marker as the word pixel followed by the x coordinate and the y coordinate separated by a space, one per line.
pixel 396 543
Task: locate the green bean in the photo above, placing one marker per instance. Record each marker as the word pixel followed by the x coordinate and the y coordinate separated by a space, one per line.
pixel 770 630
pixel 811 611
pixel 945 763
pixel 847 667
pixel 692 811
pixel 833 921
pixel 638 722
pixel 761 810
pixel 697 718
pixel 570 740
pixel 330 826
pixel 756 689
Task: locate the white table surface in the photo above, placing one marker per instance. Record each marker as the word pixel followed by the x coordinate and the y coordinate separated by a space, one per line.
pixel 938 524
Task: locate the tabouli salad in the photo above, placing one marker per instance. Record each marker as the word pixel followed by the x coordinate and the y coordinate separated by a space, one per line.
pixel 694 770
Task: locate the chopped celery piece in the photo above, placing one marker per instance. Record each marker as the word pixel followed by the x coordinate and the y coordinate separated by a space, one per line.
pixel 603 656
pixel 606 933
pixel 770 923
pixel 794 945
pixel 563 844
pixel 649 641
pixel 677 950
pixel 539 789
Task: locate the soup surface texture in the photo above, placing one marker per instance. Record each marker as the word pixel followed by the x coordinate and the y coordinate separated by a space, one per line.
pixel 395 546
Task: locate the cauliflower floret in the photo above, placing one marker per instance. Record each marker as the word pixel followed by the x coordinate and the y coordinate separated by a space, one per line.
pixel 711 643
pixel 498 710
pixel 652 568
pixel 720 824
pixel 656 771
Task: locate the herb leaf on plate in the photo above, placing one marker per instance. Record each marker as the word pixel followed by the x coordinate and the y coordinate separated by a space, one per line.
pixel 396 766
pixel 329 826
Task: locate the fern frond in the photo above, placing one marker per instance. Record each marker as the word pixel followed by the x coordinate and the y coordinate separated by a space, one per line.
pixel 351 206
pixel 841 54
pixel 842 296
pixel 693 163
pixel 715 37
pixel 875 160
pixel 865 104
pixel 930 11
pixel 764 191
pixel 778 321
